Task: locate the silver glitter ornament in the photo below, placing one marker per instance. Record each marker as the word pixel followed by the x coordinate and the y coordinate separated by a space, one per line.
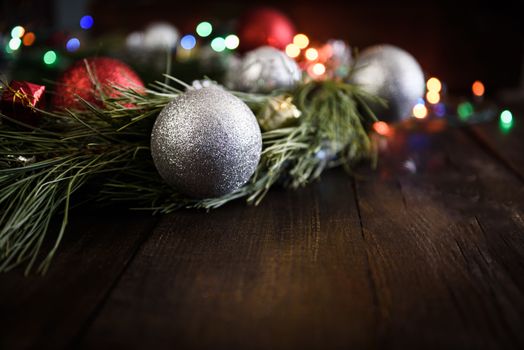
pixel 392 74
pixel 206 143
pixel 264 70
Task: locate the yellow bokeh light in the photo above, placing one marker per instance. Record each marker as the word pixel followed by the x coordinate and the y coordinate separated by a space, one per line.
pixel 301 41
pixel 318 69
pixel 420 111
pixel 478 88
pixel 433 97
pixel 292 50
pixel 433 84
pixel 311 54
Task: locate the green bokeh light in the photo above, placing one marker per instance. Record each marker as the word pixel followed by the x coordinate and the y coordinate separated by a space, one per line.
pixel 50 57
pixel 204 29
pixel 218 44
pixel 506 117
pixel 465 110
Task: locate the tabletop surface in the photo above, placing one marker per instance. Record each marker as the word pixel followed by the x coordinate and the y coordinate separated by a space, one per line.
pixel 425 251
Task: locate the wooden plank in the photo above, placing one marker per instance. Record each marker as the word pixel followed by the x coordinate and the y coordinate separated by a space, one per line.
pixel 290 273
pixel 49 311
pixel 446 233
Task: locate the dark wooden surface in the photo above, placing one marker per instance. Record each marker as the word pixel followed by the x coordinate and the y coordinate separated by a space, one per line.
pixel 425 252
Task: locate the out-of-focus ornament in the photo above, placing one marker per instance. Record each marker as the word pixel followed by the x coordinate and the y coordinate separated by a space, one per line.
pixel 160 36
pixel 264 26
pixel 263 70
pixel 392 74
pixel 279 112
pixel 336 55
pixel 21 99
pixel 206 143
pixel 104 73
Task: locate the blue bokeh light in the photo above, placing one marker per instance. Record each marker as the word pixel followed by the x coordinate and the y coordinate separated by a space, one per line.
pixel 73 44
pixel 188 42
pixel 86 22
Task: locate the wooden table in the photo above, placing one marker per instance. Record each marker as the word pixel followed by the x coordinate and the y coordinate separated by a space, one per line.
pixel 425 252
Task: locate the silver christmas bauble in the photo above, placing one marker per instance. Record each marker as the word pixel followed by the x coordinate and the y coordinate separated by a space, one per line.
pixel 264 70
pixel 206 143
pixel 160 36
pixel 392 74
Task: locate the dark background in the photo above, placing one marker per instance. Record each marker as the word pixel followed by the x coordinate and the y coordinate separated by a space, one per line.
pixel 458 41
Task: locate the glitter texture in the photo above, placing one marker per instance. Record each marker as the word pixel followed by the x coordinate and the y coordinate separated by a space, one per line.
pixel 264 70
pixel 392 74
pixel 76 81
pixel 206 143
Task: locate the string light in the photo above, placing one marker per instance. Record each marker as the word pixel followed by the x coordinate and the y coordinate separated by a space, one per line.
pixel 292 50
pixel 433 97
pixel 29 39
pixel 465 110
pixel 433 84
pixel 86 22
pixel 50 57
pixel 17 32
pixel 420 111
pixel 311 54
pixel 478 88
pixel 188 42
pixel 14 43
pixel 232 41
pixel 73 44
pixel 318 69
pixel 381 128
pixel 218 44
pixel 301 41
pixel 204 29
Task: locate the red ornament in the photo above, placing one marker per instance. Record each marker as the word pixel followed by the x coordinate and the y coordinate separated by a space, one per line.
pixel 265 26
pixel 78 81
pixel 21 99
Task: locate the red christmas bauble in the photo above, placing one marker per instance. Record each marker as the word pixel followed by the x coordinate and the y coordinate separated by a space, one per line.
pixel 78 81
pixel 265 26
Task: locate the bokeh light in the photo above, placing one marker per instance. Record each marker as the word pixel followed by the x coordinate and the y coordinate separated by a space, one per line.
pixel 433 84
pixel 188 42
pixel 14 43
pixel 420 111
pixel 506 117
pixel 218 44
pixel 17 32
pixel 86 22
pixel 311 54
pixel 292 50
pixel 73 44
pixel 381 128
pixel 318 69
pixel 433 97
pixel 465 110
pixel 478 88
pixel 232 41
pixel 50 57
pixel 440 109
pixel 301 41
pixel 204 29
pixel 29 39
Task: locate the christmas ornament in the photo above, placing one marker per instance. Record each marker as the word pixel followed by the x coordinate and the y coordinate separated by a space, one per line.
pixel 206 143
pixel 160 36
pixel 336 56
pixel 392 74
pixel 264 26
pixel 278 113
pixel 87 78
pixel 20 100
pixel 264 70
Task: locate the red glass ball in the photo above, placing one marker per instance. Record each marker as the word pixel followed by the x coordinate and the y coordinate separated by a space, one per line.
pixel 265 26
pixel 77 81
